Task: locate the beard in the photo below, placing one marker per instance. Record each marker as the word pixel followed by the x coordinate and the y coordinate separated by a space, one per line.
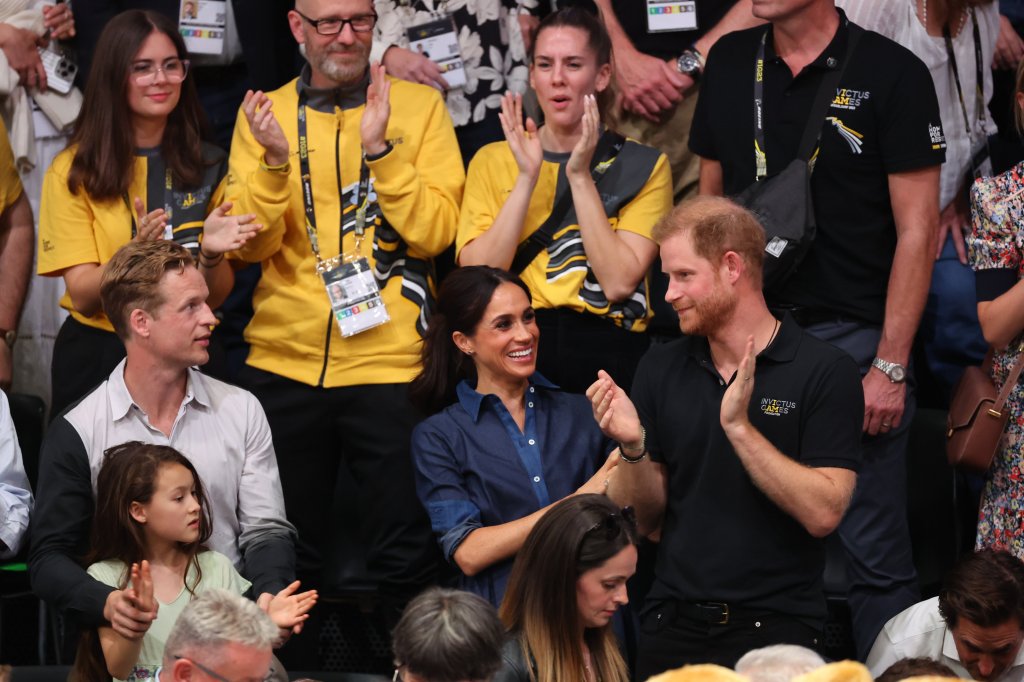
pixel 342 72
pixel 711 312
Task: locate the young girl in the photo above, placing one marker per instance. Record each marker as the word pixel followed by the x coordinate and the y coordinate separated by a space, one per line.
pixel 148 532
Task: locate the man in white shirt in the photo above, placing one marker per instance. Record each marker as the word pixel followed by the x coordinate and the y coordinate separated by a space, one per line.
pixel 975 626
pixel 15 494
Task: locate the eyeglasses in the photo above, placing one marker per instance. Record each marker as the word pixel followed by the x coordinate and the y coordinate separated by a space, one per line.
pixel 361 23
pixel 174 70
pixel 217 676
pixel 612 523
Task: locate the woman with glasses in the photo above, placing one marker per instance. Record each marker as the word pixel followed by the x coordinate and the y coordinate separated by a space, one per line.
pixel 137 167
pixel 507 443
pixel 567 583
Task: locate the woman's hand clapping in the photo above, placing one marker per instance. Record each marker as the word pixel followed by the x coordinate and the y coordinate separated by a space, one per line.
pixel 522 140
pixel 264 127
pixel 578 165
pixel 149 226
pixel 223 232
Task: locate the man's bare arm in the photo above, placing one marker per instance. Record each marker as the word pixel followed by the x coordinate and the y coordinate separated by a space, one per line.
pixel 17 240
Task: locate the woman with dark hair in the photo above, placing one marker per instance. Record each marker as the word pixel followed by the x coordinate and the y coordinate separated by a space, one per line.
pixel 566 585
pixel 137 167
pixel 491 464
pixel 570 208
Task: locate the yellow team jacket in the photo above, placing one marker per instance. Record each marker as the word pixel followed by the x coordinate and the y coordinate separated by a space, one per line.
pixel 412 216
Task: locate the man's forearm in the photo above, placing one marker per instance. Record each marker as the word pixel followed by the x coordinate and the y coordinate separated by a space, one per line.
pixel 17 239
pixel 641 485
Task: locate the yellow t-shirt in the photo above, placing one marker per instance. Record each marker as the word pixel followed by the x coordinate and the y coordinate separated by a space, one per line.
pixel 75 228
pixel 636 191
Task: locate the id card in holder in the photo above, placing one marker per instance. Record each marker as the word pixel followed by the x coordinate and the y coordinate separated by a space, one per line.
pixel 354 295
pixel 437 41
pixel 981 163
pixel 671 15
pixel 203 24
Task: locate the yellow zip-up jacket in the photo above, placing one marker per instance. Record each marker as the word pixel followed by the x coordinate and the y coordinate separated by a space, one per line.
pixel 412 216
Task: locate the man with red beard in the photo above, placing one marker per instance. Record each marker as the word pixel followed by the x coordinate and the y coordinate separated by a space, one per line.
pixel 739 448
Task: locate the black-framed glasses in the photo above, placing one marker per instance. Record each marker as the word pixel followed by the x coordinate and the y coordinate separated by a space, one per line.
pixel 612 522
pixel 174 70
pixel 332 26
pixel 215 675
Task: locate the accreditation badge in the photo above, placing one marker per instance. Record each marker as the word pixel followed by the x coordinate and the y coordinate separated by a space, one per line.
pixel 671 15
pixel 437 41
pixel 203 25
pixel 353 292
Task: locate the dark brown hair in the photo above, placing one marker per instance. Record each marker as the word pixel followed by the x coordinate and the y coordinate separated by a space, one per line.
pixel 129 474
pixel 914 667
pixel 104 135
pixel 464 296
pixel 716 225
pixel 131 279
pixel 540 605
pixel 576 17
pixel 986 588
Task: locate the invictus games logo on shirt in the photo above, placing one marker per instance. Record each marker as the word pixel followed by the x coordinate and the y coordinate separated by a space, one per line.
pixel 937 138
pixel 773 407
pixel 849 99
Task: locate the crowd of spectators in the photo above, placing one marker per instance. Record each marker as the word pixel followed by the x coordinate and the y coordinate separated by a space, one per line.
pixel 487 265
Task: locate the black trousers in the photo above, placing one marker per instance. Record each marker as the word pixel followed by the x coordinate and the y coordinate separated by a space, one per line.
pixel 573 346
pixel 83 356
pixel 669 641
pixel 367 429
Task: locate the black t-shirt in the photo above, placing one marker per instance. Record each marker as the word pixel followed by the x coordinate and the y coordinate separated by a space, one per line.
pixel 884 119
pixel 632 15
pixel 723 539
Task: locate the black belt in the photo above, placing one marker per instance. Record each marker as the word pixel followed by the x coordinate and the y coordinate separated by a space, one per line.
pixel 711 612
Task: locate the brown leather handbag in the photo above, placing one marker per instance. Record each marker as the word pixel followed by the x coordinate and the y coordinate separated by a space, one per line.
pixel 978 416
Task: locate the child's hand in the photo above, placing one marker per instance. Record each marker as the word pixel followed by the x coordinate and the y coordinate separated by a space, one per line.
pixel 288 609
pixel 142 587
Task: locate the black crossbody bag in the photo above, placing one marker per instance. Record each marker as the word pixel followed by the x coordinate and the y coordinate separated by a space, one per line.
pixel 783 202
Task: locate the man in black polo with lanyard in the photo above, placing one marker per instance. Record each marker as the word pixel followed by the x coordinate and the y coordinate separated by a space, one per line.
pixel 740 463
pixel 864 282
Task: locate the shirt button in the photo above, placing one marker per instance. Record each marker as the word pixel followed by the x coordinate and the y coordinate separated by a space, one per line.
pixel 531 389
pixel 536 479
pixel 529 404
pixel 532 442
pixel 721 382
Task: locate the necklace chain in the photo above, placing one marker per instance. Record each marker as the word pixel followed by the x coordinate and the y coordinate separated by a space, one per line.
pixel 924 17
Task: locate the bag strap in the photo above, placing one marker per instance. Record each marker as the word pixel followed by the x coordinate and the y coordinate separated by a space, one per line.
pixel 608 147
pixel 1011 380
pixel 825 95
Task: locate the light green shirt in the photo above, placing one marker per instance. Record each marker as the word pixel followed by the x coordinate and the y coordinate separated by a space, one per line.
pixel 217 573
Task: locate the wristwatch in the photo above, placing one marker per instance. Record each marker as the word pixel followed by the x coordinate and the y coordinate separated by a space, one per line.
pixel 896 372
pixel 691 63
pixel 9 336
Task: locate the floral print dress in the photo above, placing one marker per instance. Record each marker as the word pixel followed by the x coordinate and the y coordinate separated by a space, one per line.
pixel 489 40
pixel 997 242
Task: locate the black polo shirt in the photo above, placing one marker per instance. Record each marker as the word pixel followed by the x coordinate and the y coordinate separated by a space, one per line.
pixel 632 16
pixel 884 119
pixel 723 539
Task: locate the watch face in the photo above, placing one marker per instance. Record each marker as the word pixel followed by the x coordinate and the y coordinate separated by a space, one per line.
pixel 897 373
pixel 688 64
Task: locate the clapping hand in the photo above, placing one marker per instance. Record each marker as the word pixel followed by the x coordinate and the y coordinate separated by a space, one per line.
pixel 374 125
pixel 613 411
pixel 149 226
pixel 223 232
pixel 266 130
pixel 522 139
pixel 579 161
pixel 288 609
pixel 736 400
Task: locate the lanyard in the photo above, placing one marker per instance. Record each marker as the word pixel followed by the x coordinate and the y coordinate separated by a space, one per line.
pixel 307 190
pixel 168 203
pixel 979 94
pixel 759 157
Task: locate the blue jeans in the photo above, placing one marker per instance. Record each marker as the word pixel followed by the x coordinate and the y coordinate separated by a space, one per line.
pixel 949 330
pixel 875 534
